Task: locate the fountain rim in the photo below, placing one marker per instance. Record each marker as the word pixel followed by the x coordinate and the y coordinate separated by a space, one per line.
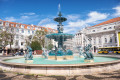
pixel 2 61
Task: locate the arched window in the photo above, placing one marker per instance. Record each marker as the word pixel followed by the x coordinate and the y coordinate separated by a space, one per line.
pixel 22 30
pixel 28 31
pixel 105 40
pixel 110 40
pixel 100 40
pixel 17 30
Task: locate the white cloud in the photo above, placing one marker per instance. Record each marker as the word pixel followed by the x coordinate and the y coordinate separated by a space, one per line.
pixel 30 13
pixel 77 23
pixel 46 20
pixel 10 19
pixel 24 17
pixel 95 16
pixel 74 22
pixel 72 17
pixel 117 13
pixel 69 30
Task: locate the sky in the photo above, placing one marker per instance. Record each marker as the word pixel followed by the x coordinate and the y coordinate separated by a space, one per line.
pixel 79 13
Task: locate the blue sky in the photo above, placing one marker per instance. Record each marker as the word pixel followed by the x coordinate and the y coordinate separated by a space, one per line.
pixel 80 13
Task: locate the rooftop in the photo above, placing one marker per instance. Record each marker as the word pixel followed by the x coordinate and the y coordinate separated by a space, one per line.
pixel 107 22
pixel 25 25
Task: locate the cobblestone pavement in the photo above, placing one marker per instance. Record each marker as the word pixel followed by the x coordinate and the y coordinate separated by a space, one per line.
pixel 114 75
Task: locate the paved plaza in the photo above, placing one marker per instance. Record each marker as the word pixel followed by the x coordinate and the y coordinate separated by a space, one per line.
pixel 115 75
pixel 5 75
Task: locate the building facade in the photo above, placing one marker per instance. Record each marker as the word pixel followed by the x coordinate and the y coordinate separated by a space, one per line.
pixel 105 34
pixel 21 31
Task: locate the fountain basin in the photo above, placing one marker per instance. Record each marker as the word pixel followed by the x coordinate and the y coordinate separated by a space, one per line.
pixel 57 36
pixel 61 69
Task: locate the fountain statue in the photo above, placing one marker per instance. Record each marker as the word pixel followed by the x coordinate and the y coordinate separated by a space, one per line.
pixel 28 56
pixel 60 53
pixel 88 54
pixel 80 49
pixel 44 54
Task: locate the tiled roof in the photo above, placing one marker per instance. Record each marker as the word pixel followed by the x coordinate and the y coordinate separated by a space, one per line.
pixel 107 22
pixel 32 27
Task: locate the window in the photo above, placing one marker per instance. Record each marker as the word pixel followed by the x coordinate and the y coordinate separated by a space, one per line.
pixel 7 24
pixel 17 36
pixel 105 40
pixel 32 32
pixel 22 37
pixel 28 31
pixel 105 28
pixel 22 26
pixel 110 28
pixel 0 28
pixel 114 27
pixel 1 23
pixel 17 25
pixel 12 25
pixel 22 30
pixel 28 27
pixel 21 43
pixel 17 30
pixel 99 40
pixel 16 43
pixel 93 31
pixel 110 40
pixel 12 29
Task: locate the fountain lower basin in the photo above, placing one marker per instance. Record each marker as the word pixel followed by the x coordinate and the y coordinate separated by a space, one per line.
pixel 75 60
pixel 61 69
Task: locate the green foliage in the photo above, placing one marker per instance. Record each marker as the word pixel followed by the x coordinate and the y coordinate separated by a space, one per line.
pixel 40 37
pixel 50 46
pixel 6 38
pixel 35 45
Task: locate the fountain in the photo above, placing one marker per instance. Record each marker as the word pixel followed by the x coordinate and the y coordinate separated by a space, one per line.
pixel 60 53
pixel 61 60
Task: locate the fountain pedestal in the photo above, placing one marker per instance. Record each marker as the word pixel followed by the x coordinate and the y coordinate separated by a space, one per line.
pixel 28 61
pixel 69 57
pixel 51 57
pixel 91 61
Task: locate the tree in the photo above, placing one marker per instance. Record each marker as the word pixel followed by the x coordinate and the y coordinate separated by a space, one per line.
pixel 5 38
pixel 12 34
pixel 50 46
pixel 40 37
pixel 28 40
pixel 35 45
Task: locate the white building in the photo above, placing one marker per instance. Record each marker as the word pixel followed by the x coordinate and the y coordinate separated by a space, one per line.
pixel 21 31
pixel 105 34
